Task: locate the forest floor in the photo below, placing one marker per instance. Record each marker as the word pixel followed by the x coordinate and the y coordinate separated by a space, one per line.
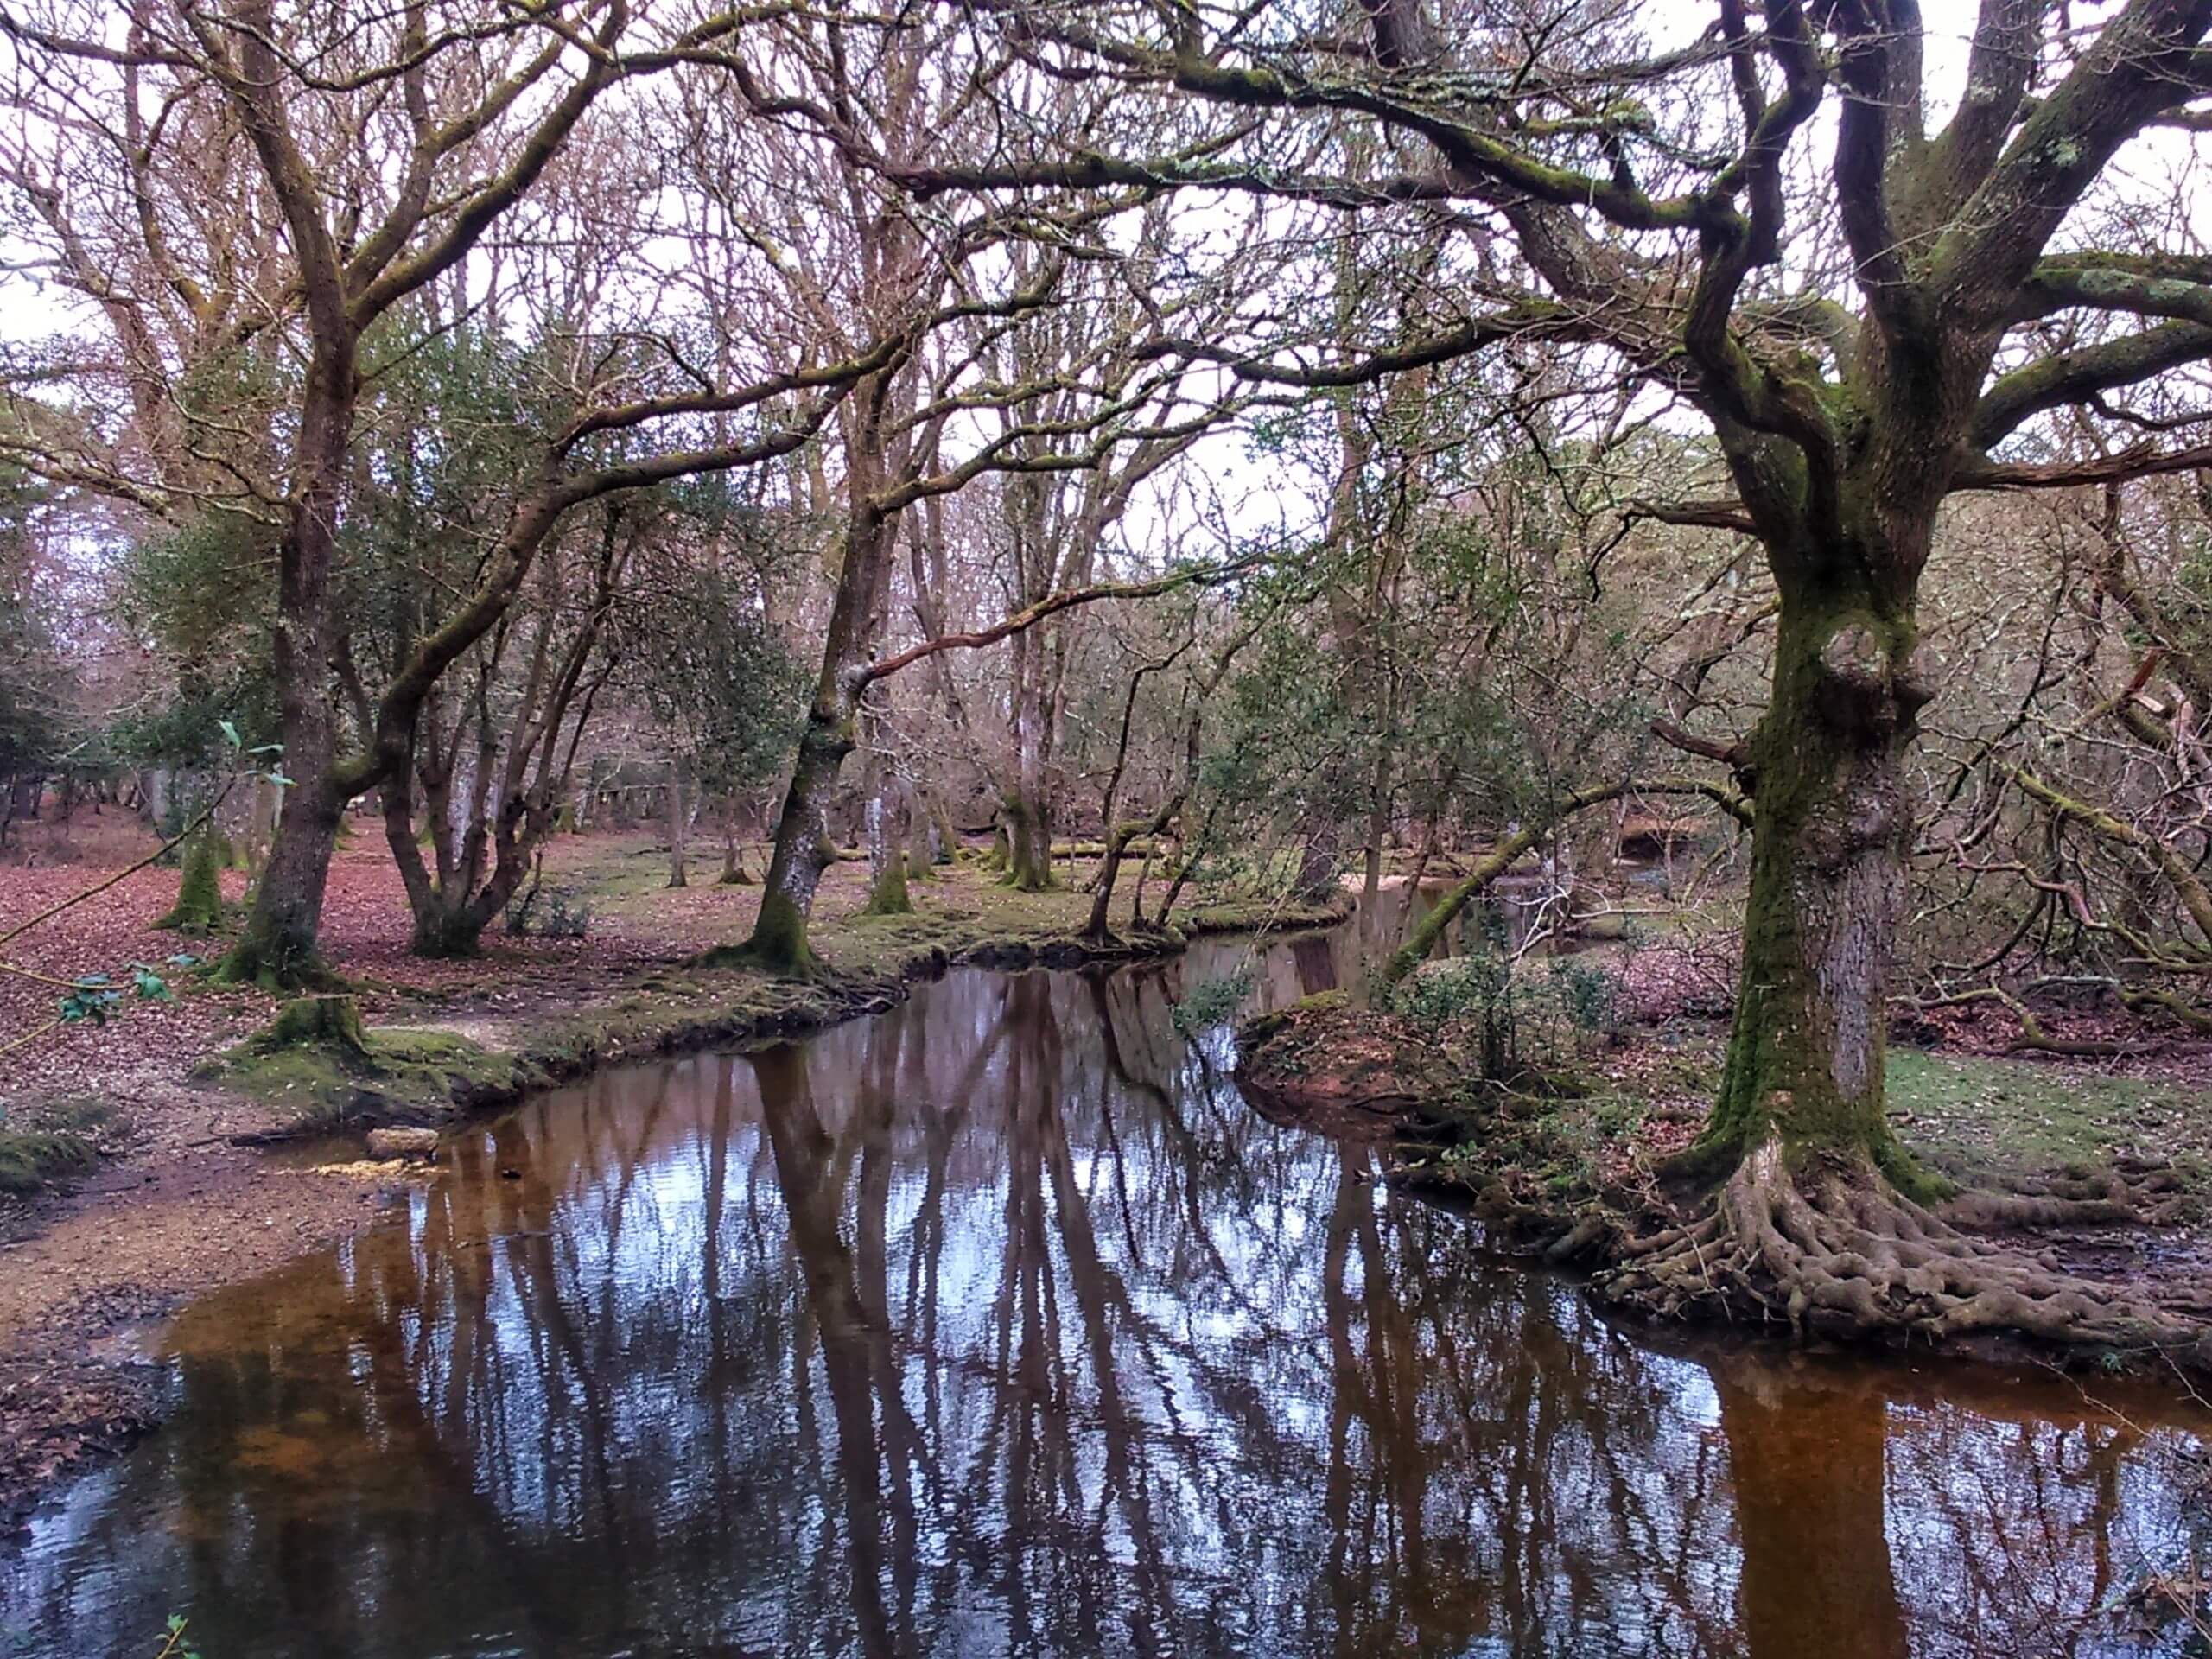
pixel 127 1181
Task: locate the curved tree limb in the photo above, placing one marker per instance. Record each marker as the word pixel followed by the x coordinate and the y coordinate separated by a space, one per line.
pixel 1507 853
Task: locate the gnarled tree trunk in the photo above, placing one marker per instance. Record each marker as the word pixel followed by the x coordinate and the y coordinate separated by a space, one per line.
pixel 1805 1056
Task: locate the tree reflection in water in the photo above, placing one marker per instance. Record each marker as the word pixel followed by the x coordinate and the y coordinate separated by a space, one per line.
pixel 1000 1325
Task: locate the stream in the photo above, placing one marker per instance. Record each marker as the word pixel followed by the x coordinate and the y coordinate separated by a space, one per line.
pixel 1000 1324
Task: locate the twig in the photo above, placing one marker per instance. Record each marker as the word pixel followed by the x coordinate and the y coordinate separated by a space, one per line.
pixel 93 891
pixel 30 1037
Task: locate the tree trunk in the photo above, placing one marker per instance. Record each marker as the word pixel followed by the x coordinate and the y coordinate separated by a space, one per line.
pixel 277 948
pixel 887 850
pixel 734 874
pixel 1805 1053
pixel 802 847
pixel 1318 861
pixel 278 945
pixel 942 834
pixel 199 906
pixel 1029 812
pixel 679 821
pixel 1099 927
pixel 261 826
pixel 1028 844
pixel 450 909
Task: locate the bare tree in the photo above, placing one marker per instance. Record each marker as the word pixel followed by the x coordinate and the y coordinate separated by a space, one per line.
pixel 384 149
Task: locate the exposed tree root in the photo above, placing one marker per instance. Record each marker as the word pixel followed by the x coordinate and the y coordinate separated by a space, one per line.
pixel 1840 1253
pixel 775 958
pixel 280 975
pixel 2134 1192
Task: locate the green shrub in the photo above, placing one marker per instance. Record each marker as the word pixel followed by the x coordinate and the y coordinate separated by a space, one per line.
pixel 1514 1018
pixel 559 914
pixel 1211 1001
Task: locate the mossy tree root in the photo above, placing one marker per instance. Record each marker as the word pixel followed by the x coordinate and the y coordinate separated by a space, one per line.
pixel 1841 1253
pixel 778 945
pixel 278 973
pixel 330 1022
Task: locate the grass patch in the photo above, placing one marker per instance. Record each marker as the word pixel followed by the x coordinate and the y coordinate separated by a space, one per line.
pixel 1979 1121
pixel 627 874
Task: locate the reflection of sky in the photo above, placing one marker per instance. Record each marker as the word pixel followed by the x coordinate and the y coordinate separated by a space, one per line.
pixel 1080 1356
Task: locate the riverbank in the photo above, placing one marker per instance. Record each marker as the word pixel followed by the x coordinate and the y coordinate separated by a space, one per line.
pixel 2064 1211
pixel 204 1171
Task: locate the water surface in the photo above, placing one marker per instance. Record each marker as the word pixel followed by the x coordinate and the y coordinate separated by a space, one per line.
pixel 1000 1325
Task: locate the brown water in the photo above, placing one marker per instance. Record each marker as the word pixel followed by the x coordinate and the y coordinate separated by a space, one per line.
pixel 1000 1325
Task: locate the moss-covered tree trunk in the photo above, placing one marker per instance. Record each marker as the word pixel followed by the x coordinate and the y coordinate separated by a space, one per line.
pixel 277 947
pixel 278 944
pixel 803 848
pixel 1028 845
pixel 1805 1055
pixel 199 906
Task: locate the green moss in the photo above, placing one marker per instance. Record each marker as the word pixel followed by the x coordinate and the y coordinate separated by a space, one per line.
pixel 276 970
pixel 889 897
pixel 777 946
pixel 30 1160
pixel 332 1022
pixel 49 1143
pixel 198 907
pixel 1822 750
pixel 317 1064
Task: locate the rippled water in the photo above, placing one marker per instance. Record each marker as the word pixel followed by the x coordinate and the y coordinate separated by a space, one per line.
pixel 1000 1325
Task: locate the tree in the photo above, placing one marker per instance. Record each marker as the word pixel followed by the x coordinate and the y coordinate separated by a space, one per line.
pixel 434 121
pixel 860 264
pixel 1865 334
pixel 39 718
pixel 1053 525
pixel 702 656
pixel 627 405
